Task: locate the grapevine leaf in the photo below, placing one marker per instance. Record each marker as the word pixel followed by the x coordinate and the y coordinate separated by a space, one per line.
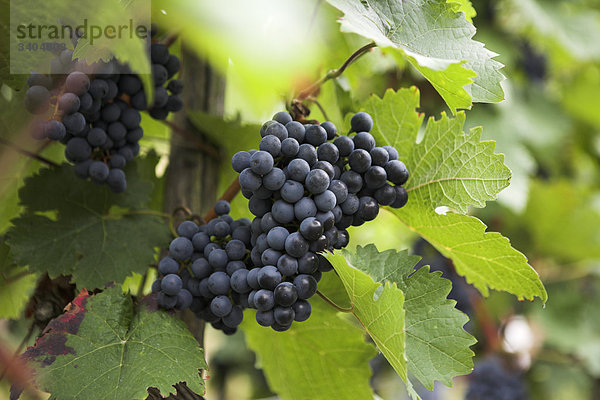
pixel 380 310
pixel 435 39
pixel 110 346
pixel 16 285
pixel 466 7
pixel 437 347
pixel 324 357
pixel 485 259
pixel 450 168
pixel 96 236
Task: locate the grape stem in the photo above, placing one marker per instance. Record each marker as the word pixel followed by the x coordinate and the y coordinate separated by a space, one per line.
pixel 172 38
pixel 228 196
pixel 28 153
pixel 334 73
pixel 315 101
pixel 209 150
pixel 332 304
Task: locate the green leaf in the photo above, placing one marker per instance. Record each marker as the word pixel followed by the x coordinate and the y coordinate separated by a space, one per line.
pixel 435 39
pixel 16 285
pixel 380 310
pixel 466 7
pixel 324 357
pixel 452 169
pixel 448 167
pixel 96 236
pixel 437 347
pixel 485 259
pixel 109 346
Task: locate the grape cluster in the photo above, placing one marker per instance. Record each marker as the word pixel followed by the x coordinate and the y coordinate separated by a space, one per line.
pixel 306 185
pixel 96 111
pixel 491 380
pixel 206 270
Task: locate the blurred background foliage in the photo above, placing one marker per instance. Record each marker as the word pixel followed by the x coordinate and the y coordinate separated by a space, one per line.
pixel 548 127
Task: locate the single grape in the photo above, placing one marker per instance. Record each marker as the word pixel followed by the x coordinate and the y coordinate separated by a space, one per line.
pixel 327 219
pixel 55 130
pixel 306 286
pixel 401 197
pixel 269 277
pixel 274 180
pixel 397 172
pixel 330 129
pixel 78 149
pixel 276 129
pixel 271 144
pixel 264 300
pixel 184 299
pixel 308 263
pixel 385 195
pixel 270 256
pixel 171 284
pixel 283 212
pixel 98 171
pixel 77 82
pixel 317 181
pixel 364 140
pixel 166 301
pixel 379 156
pixel 265 318
pixel 361 122
pixel 304 208
pixel 285 294
pixel 201 268
pixel 325 201
pixel 116 180
pixel 282 117
pixel 167 265
pixel 287 265
pixel 353 181
pixel 276 237
pixel 325 166
pixel 181 248
pixel 235 249
pixel 218 283
pixel 239 281
pixel 221 306
pixel 375 177
pixel 296 131
pixel 261 162
pixel 392 152
pixel 284 316
pixel 187 229
pixel 302 310
pixel 222 207
pixel 328 152
pixel 234 318
pixel 359 160
pixel 345 145
pixel 69 103
pixel 298 169
pixel 296 245
pixel 315 135
pixel 74 123
pixel 308 153
pixel 292 191
pixel 250 180
pixel 290 147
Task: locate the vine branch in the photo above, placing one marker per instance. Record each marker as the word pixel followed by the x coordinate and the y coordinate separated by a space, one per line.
pixel 28 153
pixel 334 73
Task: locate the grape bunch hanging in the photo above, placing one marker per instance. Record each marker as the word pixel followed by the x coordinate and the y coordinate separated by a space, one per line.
pixel 306 185
pixel 96 110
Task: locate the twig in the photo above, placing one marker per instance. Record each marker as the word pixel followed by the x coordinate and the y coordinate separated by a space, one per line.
pixel 332 304
pixel 334 73
pixel 229 195
pixel 314 100
pixel 211 151
pixel 172 38
pixel 486 322
pixel 28 153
